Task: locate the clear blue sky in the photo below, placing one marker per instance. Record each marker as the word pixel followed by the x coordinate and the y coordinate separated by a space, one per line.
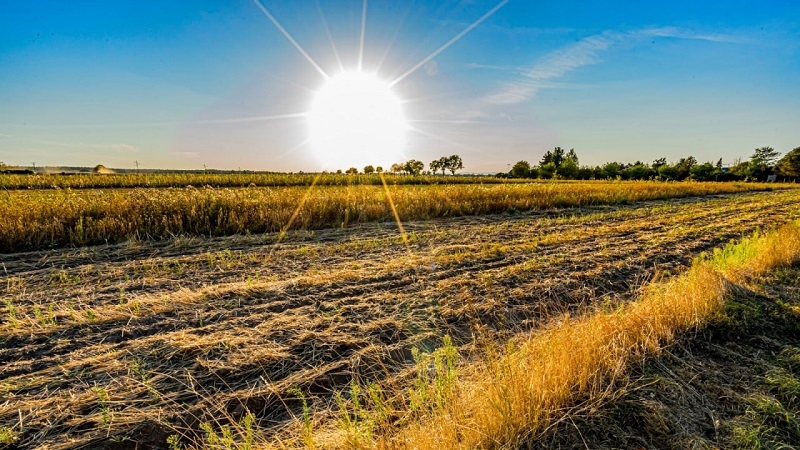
pixel 177 84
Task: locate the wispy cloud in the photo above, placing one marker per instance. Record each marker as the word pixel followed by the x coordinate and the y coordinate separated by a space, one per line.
pixel 585 52
pixel 674 32
pixel 553 66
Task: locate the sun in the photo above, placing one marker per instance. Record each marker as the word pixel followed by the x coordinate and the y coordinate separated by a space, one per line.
pixel 357 120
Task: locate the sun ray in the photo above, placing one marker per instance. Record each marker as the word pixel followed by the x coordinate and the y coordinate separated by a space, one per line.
pixel 290 38
pixel 296 212
pixel 402 229
pixel 449 43
pixel 402 21
pixel 330 38
pixel 363 30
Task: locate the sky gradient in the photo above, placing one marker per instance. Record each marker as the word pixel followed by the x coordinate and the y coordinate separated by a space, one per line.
pixel 187 84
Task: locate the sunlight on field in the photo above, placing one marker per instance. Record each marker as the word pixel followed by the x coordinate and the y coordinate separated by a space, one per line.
pixel 325 332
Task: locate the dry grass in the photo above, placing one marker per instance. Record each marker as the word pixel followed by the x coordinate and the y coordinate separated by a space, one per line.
pixel 57 218
pixel 199 330
pixel 509 399
pixel 221 180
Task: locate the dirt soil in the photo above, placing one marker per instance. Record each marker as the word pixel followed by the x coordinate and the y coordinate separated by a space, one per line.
pixel 122 346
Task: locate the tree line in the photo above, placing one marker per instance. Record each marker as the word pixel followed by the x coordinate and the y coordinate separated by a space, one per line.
pixel 763 163
pixel 452 163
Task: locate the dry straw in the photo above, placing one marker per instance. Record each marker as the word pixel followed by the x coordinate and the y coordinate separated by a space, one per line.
pixel 509 399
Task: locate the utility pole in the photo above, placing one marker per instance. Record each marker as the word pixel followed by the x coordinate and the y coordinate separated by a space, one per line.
pixel 136 163
pixel 34 167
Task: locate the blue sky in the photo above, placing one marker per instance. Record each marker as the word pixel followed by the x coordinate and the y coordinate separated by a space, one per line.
pixel 175 84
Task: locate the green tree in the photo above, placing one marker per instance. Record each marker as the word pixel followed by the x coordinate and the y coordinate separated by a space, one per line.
pixel 439 164
pixel 702 172
pixel 611 170
pixel 352 170
pixel 369 169
pixel 379 169
pixel 397 168
pixel 568 169
pixel 414 167
pixel 556 156
pixel 765 156
pixel 454 163
pixel 521 169
pixel 547 170
pixel 789 165
pixel 668 172
pixel 684 167
pixel 638 171
pixel 658 163
pixel 572 156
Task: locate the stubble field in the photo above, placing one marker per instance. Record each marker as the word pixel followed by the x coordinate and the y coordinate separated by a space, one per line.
pixel 115 346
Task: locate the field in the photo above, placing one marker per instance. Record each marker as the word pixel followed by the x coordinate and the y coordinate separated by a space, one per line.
pixel 224 314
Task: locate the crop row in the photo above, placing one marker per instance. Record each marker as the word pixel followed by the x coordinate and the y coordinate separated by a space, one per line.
pixel 218 180
pixel 56 218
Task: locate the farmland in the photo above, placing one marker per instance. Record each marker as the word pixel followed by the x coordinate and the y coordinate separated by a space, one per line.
pixel 203 306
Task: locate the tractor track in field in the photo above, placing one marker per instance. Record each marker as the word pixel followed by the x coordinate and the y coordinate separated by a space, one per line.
pixel 179 332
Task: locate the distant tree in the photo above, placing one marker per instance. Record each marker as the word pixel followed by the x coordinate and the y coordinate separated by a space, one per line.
pixel 637 171
pixel 379 169
pixel 585 173
pixel 789 165
pixel 765 156
pixel 397 168
pixel 568 169
pixel 454 164
pixel 547 170
pixel 684 167
pixel 521 169
pixel 760 164
pixel 556 157
pixel 352 170
pixel 611 170
pixel 572 156
pixel 339 171
pixel 414 167
pixel 369 169
pixel 438 164
pixel 668 172
pixel 658 163
pixel 702 172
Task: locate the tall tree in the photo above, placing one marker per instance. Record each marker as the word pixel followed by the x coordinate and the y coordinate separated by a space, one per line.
pixel 369 169
pixel 789 165
pixel 572 156
pixel 414 167
pixel 546 158
pixel 521 169
pixel 454 163
pixel 764 156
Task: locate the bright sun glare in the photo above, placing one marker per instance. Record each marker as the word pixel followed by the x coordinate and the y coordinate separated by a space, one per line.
pixel 356 120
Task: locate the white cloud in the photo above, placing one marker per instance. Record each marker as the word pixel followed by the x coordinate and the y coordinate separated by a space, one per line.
pixel 553 66
pixel 583 53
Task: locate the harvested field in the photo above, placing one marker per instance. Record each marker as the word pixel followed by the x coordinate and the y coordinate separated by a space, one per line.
pixel 110 346
pixel 47 219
